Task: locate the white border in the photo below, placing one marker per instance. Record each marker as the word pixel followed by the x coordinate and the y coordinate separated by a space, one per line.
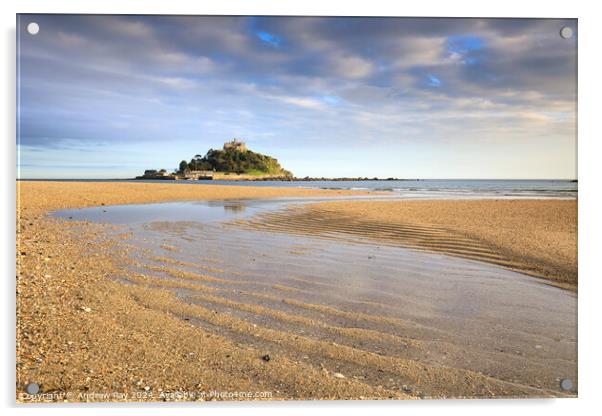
pixel 589 185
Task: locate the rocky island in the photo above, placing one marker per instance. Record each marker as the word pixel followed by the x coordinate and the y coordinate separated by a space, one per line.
pixel 233 162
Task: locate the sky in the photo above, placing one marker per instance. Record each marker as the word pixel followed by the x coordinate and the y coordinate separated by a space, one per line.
pixel 110 96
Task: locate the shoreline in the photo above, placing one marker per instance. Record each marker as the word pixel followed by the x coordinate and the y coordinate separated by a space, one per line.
pixel 89 194
pixel 123 332
pixel 307 178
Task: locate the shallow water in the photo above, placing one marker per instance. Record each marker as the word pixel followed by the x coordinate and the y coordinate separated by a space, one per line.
pixel 201 211
pixel 432 308
pixel 198 211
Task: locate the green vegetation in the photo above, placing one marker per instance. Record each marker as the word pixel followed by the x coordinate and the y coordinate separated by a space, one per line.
pixel 235 161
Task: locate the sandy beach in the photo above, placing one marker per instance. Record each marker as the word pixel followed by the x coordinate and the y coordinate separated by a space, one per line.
pixel 89 324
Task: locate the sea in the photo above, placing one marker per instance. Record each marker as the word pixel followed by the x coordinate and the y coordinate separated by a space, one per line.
pixel 417 188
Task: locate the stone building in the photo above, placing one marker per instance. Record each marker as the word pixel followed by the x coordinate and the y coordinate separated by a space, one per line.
pixel 236 145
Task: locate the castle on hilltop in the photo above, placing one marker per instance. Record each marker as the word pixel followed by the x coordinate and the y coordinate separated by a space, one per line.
pixel 236 145
pixel 234 162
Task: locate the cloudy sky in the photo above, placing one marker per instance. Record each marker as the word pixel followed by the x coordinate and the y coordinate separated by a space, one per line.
pixel 110 96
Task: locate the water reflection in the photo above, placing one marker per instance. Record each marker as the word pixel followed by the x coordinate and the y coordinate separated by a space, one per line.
pixel 234 207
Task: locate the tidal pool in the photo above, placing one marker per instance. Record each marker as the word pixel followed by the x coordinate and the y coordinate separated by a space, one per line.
pixel 390 301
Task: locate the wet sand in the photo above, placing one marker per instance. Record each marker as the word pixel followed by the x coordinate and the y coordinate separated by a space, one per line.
pixel 536 237
pixel 98 314
pixel 381 304
pixel 79 331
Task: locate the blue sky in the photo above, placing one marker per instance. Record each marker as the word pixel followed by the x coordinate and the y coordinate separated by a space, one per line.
pixel 110 96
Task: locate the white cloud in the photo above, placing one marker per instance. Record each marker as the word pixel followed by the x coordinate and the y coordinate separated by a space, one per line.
pixel 352 67
pixel 309 103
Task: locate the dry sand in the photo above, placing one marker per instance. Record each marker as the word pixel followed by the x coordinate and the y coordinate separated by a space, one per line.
pixel 81 332
pixel 536 237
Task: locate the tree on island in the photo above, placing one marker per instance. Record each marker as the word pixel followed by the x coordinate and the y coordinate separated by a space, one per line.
pixel 234 159
pixel 183 166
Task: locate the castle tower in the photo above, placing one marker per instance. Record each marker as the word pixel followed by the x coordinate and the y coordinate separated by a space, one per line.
pixel 236 145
